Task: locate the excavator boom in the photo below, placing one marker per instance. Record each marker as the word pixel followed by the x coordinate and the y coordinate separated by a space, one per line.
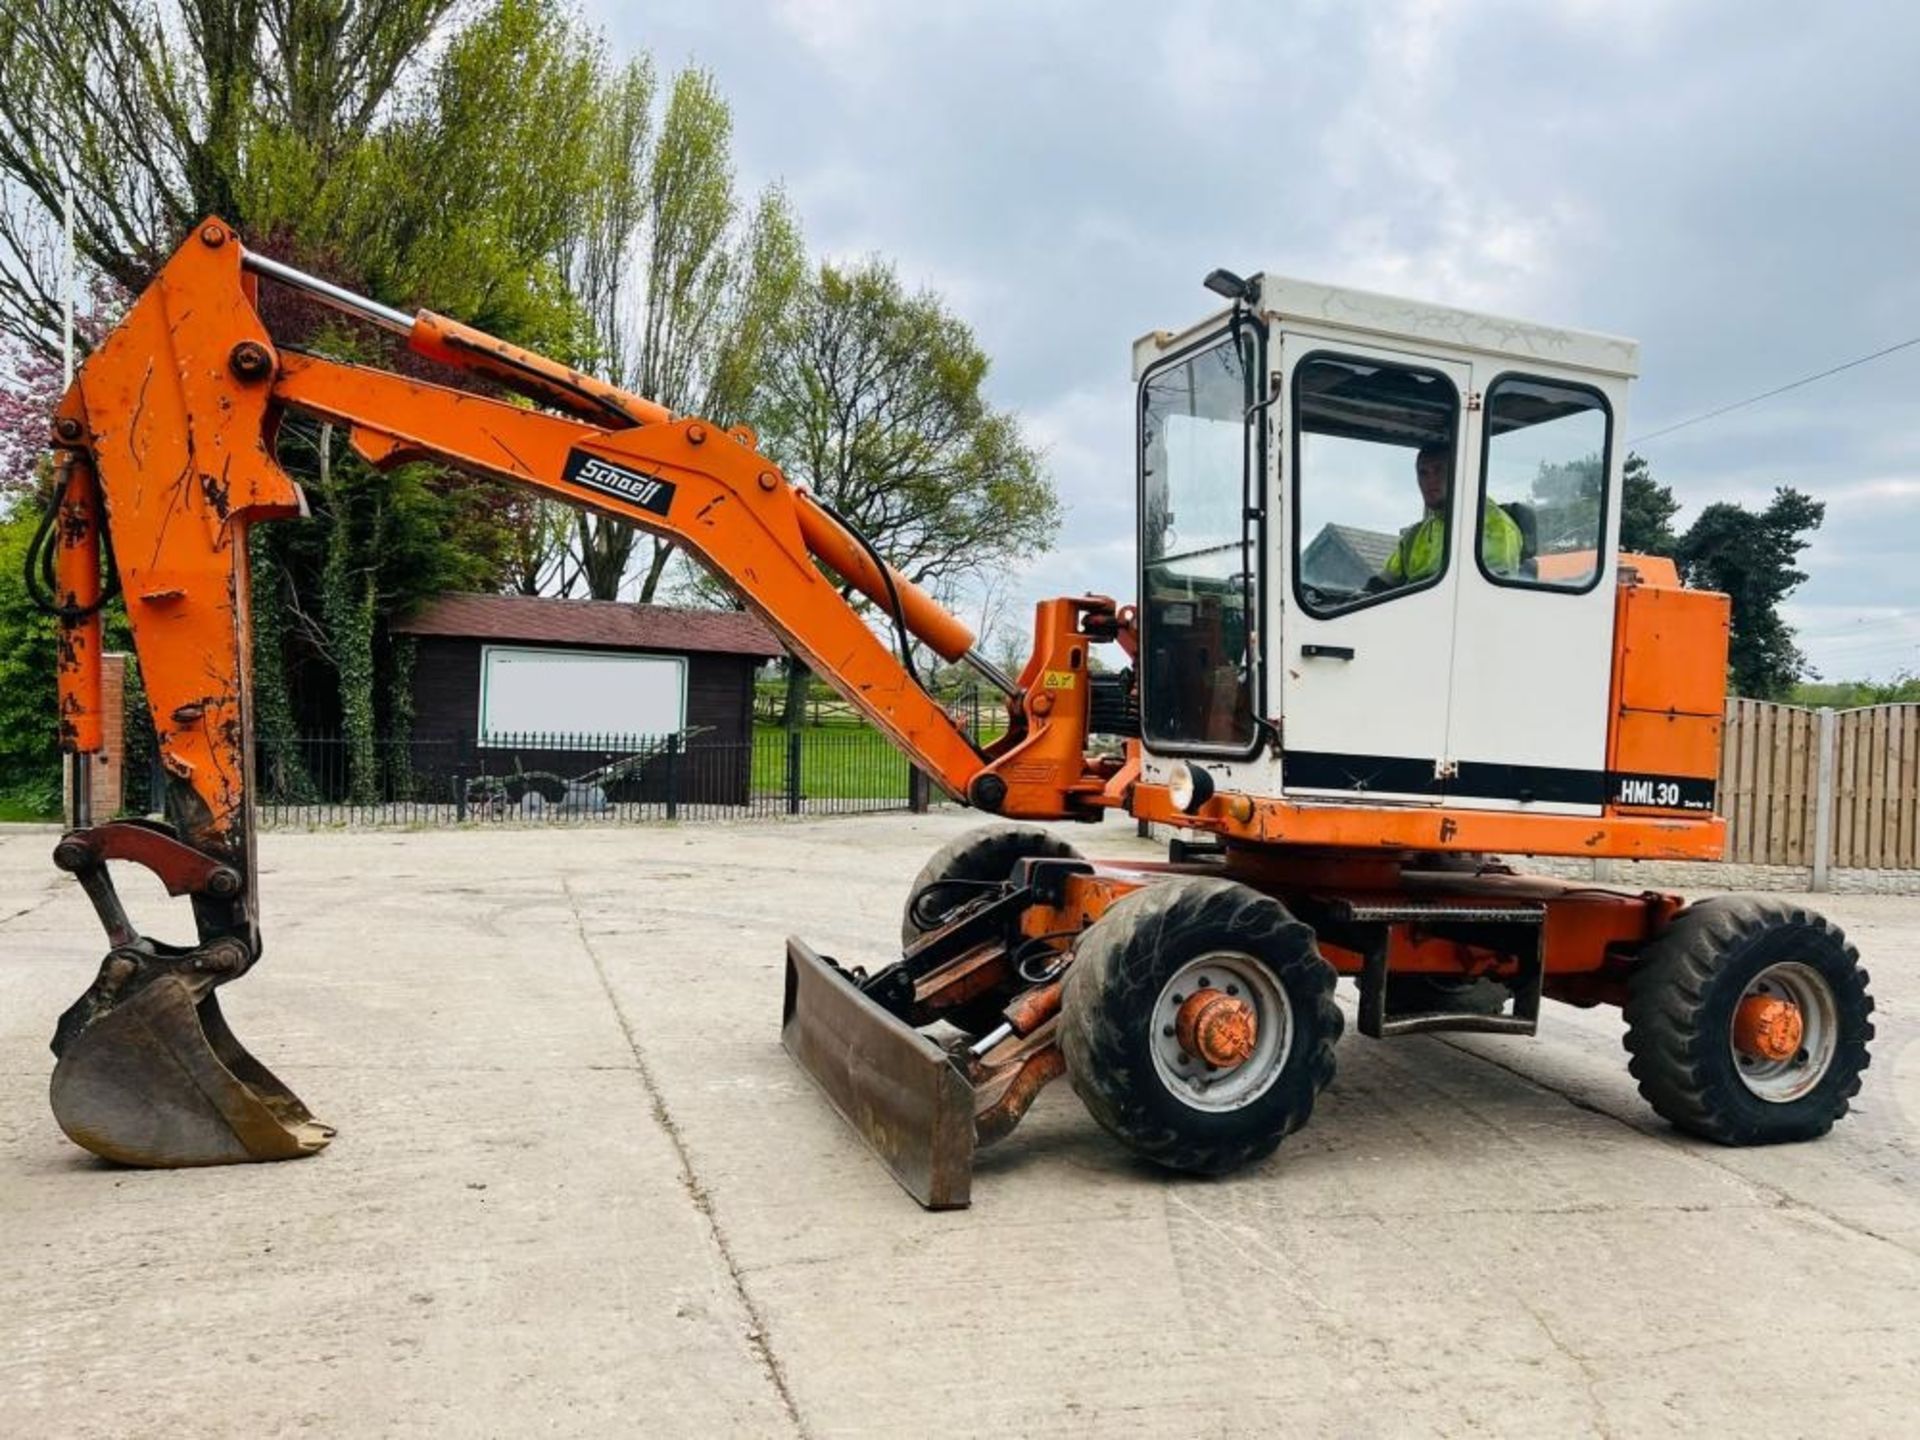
pixel 166 446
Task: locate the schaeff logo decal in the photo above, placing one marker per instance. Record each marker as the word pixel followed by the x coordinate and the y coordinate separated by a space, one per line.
pixel 616 480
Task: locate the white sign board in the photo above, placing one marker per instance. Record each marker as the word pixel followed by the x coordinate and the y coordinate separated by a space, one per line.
pixel 579 692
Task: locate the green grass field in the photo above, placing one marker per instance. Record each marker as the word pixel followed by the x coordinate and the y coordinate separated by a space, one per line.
pixel 837 762
pixel 12 807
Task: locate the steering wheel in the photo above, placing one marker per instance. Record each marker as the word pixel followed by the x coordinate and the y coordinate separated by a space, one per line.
pixel 1325 597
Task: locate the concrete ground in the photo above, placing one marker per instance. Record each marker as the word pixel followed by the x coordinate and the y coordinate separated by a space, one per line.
pixel 580 1190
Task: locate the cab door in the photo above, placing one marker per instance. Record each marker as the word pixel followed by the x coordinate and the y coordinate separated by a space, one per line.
pixel 1367 626
pixel 1533 657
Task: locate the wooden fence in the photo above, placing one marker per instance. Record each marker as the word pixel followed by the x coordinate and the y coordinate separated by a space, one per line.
pixel 1822 788
pixel 1877 788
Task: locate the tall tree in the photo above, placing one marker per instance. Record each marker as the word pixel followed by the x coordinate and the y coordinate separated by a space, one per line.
pixel 1647 509
pixel 684 287
pixel 426 154
pixel 874 402
pixel 27 397
pixel 29 766
pixel 165 112
pixel 1751 557
pixel 1566 497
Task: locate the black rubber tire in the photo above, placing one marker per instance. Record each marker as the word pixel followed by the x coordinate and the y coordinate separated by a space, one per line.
pixel 1431 994
pixel 1120 966
pixel 976 860
pixel 1681 996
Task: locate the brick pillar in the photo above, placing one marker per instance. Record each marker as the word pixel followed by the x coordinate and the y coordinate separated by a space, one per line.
pixel 110 764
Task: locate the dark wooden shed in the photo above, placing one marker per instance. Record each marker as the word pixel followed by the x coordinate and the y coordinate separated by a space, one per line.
pixel 518 683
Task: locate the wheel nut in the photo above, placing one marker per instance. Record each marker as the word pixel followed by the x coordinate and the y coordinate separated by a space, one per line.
pixel 1768 1029
pixel 1220 1029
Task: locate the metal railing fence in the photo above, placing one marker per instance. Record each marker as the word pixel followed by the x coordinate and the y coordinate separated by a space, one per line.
pixel 449 780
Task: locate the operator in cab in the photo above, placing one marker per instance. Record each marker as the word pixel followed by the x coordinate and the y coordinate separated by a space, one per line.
pixel 1422 548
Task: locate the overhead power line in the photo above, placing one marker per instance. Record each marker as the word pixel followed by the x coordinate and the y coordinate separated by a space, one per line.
pixel 1906 615
pixel 1769 394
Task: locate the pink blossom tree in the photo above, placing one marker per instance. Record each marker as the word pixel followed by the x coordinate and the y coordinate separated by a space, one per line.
pixel 29 389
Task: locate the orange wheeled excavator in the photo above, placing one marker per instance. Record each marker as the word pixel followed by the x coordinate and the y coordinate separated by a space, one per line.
pixel 1341 719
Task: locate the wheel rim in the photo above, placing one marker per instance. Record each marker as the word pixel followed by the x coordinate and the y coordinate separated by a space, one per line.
pixel 1243 980
pixel 1780 1079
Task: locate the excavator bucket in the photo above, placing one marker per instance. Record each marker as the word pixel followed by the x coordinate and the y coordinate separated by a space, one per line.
pixel 909 1099
pixel 159 1080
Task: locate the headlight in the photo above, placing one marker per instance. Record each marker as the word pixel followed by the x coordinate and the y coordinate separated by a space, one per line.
pixel 1188 787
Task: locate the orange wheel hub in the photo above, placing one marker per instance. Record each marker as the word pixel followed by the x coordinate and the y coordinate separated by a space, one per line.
pixel 1768 1029
pixel 1219 1028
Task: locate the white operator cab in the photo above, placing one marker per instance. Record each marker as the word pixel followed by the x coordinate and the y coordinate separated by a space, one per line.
pixel 1377 549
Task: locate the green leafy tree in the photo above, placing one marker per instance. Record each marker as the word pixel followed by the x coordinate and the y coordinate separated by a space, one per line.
pixel 1647 509
pixel 494 157
pixel 874 402
pixel 29 746
pixel 1902 689
pixel 1566 498
pixel 1751 556
pixel 427 154
pixel 485 160
pixel 166 112
pixel 29 761
pixel 685 287
pixel 383 541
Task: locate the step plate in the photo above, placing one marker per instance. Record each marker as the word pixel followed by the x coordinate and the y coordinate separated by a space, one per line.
pixel 908 1098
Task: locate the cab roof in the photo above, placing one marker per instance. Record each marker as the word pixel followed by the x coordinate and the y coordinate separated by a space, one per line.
pixel 1377 318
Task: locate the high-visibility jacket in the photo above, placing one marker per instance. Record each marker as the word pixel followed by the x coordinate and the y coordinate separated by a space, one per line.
pixel 1423 546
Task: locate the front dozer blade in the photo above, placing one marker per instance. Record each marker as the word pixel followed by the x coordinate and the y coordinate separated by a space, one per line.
pixel 160 1081
pixel 904 1094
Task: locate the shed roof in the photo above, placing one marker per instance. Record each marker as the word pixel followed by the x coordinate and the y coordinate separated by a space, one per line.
pixel 608 624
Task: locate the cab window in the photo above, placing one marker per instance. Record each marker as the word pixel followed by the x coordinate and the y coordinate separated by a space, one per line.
pixel 1373 480
pixel 1546 471
pixel 1197 575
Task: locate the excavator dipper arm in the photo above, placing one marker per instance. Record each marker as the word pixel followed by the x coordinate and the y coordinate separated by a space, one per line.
pixel 166 444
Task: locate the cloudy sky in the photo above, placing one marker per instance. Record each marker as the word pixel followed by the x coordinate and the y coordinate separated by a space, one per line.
pixel 1735 185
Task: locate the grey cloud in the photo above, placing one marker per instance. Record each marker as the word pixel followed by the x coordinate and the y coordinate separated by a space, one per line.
pixel 1731 184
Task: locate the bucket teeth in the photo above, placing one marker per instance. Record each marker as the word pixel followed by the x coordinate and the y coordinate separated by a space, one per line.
pixel 157 1079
